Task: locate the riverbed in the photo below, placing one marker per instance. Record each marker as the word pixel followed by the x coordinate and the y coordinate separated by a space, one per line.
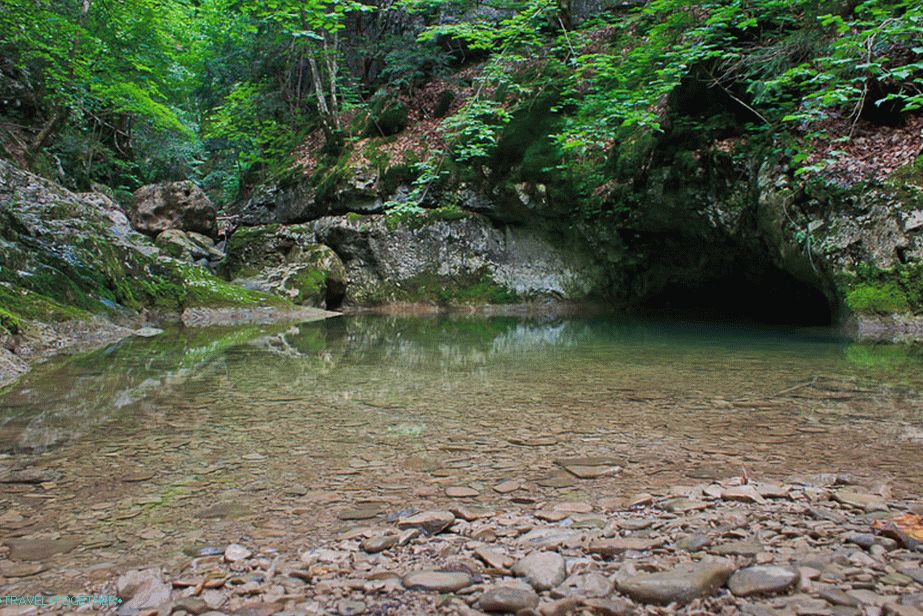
pixel 155 449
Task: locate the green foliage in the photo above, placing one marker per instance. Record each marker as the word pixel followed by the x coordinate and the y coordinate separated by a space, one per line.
pixel 881 299
pixel 890 291
pixel 244 125
pixel 110 68
pixel 9 322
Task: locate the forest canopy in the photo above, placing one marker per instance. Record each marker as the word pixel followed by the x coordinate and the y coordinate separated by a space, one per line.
pixel 227 92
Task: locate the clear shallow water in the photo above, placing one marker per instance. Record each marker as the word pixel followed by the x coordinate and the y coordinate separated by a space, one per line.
pixel 273 435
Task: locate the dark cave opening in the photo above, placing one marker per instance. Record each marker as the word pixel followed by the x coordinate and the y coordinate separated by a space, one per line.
pixel 335 295
pixel 766 296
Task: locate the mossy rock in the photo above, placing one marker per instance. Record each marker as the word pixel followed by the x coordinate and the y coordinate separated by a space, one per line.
pixel 883 299
pixel 884 291
pixel 444 103
pixel 430 287
pixel 310 275
pixel 391 120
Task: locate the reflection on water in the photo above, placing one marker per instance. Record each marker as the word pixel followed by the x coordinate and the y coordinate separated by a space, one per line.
pixel 201 437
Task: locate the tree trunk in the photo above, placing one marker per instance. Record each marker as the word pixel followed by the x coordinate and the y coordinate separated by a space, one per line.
pixel 60 111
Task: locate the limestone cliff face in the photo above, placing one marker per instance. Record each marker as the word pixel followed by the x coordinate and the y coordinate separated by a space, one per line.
pixel 733 236
pixel 459 261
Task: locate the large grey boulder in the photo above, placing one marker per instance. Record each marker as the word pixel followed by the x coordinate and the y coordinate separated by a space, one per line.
pixel 177 205
pixel 286 261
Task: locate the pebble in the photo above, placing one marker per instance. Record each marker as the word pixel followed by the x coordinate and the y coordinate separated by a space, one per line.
pixel 379 543
pixel 508 486
pixel 542 570
pixel 860 500
pixel 494 558
pixel 611 607
pixel 762 580
pixel 680 585
pixel 584 585
pixel 738 548
pixel 38 549
pixel 430 522
pixel 142 589
pixel 236 552
pixel 440 581
pixel 508 598
pixel 19 570
pixel 618 545
pixel 746 493
pixel 693 543
pixel 461 492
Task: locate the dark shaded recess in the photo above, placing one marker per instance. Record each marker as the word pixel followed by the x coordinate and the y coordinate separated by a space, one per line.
pixel 721 112
pixel 887 113
pixel 712 281
pixel 335 294
pixel 773 298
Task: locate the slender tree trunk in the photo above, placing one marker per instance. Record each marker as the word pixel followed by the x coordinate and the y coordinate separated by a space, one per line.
pixel 332 69
pixel 60 112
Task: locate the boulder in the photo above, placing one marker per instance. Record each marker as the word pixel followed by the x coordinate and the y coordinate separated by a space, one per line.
pixel 309 276
pixel 455 258
pixel 191 247
pixel 177 205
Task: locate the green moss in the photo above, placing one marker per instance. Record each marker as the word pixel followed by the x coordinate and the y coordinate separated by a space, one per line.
pixel 485 291
pixel 353 217
pixel 876 291
pixel 447 212
pixel 204 290
pixel 444 103
pixel 474 289
pixel 395 176
pixel 330 176
pixel 415 218
pixel 9 322
pixel 308 283
pixel 391 120
pixel 23 304
pixel 877 299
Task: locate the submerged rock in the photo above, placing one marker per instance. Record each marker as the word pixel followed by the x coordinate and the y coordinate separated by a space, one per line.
pixel 38 549
pixel 430 522
pixel 142 589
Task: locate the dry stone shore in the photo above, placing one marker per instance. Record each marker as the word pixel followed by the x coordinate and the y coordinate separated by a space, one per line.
pixel 813 547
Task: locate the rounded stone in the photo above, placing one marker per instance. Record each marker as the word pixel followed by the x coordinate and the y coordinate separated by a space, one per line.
pixel 379 543
pixel 508 598
pixel 542 570
pixel 236 552
pixel 762 580
pixel 680 585
pixel 430 522
pixel 439 581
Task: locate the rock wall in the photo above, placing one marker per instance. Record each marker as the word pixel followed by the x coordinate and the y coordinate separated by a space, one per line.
pixel 72 267
pixel 465 260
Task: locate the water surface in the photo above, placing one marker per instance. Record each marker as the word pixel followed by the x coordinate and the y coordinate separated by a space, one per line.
pixel 153 448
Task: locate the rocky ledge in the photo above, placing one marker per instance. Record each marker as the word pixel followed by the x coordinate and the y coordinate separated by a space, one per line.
pixel 818 546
